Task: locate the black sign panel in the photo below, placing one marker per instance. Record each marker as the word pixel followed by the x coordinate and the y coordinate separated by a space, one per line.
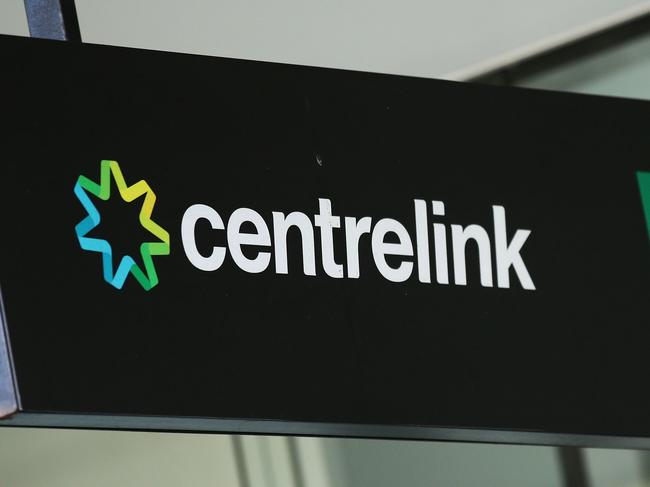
pixel 189 237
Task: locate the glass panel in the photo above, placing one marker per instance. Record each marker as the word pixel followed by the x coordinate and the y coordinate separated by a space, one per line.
pixel 621 70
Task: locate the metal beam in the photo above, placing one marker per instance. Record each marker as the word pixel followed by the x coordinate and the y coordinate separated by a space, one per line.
pixel 573 467
pixel 9 402
pixel 511 72
pixel 53 19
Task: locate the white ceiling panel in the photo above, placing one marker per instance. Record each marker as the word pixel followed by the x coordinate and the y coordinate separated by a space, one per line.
pixel 431 38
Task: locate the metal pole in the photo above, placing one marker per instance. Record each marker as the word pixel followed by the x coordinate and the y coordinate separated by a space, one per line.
pixel 53 19
pixel 573 467
pixel 9 399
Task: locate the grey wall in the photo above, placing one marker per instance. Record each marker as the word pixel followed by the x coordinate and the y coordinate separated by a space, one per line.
pixel 67 458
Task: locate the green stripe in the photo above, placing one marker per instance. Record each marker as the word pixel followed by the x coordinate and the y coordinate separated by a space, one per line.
pixel 644 187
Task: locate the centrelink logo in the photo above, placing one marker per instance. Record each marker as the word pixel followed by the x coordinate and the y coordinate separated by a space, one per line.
pixel 147 277
pixel 395 253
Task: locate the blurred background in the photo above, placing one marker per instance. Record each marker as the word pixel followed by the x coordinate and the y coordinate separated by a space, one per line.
pixel 586 46
pixel 75 458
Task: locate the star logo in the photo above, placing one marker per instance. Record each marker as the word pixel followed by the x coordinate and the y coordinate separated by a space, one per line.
pixel 147 277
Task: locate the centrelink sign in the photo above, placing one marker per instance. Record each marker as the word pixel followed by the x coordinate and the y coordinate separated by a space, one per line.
pixel 193 243
pixel 319 229
pixel 412 247
pixel 407 247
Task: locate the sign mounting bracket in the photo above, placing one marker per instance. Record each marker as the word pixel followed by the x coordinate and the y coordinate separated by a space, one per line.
pixel 53 19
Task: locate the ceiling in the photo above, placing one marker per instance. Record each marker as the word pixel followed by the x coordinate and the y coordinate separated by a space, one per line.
pixel 431 38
